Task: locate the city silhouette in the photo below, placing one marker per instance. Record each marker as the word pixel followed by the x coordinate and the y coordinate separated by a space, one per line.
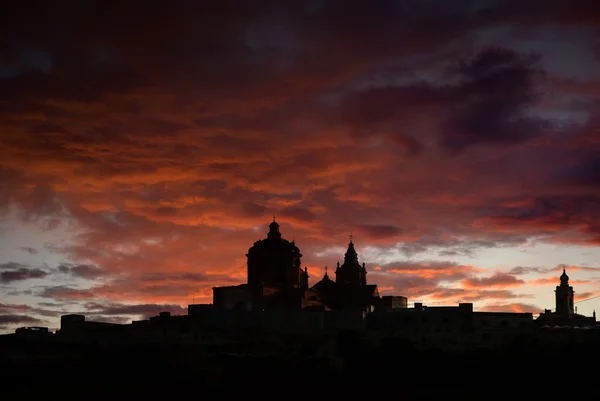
pixel 277 328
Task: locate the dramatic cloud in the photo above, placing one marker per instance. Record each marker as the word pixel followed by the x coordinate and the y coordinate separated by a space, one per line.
pixel 13 271
pixel 15 315
pixel 61 292
pixel 144 150
pixel 584 296
pixel 498 280
pixel 28 249
pixel 513 307
pixel 554 281
pixel 449 282
pixel 12 266
pixel 145 311
pixel 6 320
pixel 82 271
pixel 375 232
pixel 520 270
pixel 496 88
pixel 7 308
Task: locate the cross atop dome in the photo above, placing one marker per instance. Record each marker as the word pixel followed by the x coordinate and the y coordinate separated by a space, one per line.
pixel 274 230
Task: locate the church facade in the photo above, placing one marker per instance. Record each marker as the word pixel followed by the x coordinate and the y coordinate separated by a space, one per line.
pixel 276 280
pixel 350 289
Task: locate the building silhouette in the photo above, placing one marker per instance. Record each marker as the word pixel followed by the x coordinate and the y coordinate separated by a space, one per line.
pixel 275 277
pixel 350 290
pixel 276 280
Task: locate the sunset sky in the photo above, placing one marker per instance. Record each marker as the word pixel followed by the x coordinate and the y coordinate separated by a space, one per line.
pixel 143 149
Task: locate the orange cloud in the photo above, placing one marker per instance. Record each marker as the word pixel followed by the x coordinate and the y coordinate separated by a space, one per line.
pixel 583 296
pixel 497 280
pixel 554 281
pixel 513 307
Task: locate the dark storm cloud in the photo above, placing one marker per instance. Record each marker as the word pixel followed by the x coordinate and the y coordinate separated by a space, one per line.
pixel 373 231
pixel 82 270
pixel 166 211
pixel 465 244
pixel 20 309
pixel 6 320
pixel 297 213
pixel 145 310
pixel 21 274
pixel 110 319
pixel 8 309
pixel 456 252
pixel 62 293
pixel 185 276
pixel 520 270
pixel 251 209
pixel 103 48
pixel 13 271
pixel 586 171
pixel 12 266
pixel 496 90
pixel 29 249
pixel 364 109
pixel 551 215
pixel 114 48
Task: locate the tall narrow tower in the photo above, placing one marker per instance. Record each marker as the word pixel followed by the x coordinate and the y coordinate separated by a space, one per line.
pixel 564 296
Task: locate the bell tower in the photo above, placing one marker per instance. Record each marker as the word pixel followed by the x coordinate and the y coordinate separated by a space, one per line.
pixel 564 296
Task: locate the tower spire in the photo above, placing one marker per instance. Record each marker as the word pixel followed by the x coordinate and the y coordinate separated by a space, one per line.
pixel 564 278
pixel 351 256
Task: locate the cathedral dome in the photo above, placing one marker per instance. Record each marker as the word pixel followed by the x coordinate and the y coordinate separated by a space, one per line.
pixel 563 276
pixel 274 242
pixel 274 260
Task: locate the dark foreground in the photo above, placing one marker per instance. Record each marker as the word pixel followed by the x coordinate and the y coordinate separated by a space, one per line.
pixel 170 372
